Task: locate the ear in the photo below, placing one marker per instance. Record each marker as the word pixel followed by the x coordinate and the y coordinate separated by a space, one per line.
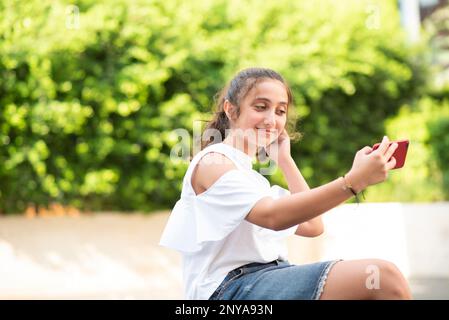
pixel 228 109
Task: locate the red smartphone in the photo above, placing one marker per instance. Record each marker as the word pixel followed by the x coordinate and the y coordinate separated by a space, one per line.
pixel 400 153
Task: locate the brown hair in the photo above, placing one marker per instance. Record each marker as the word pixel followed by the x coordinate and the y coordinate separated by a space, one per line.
pixel 236 91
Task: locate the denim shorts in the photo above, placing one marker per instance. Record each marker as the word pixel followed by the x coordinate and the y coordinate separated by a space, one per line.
pixel 276 280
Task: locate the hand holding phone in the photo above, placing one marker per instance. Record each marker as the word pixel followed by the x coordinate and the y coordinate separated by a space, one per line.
pixel 399 154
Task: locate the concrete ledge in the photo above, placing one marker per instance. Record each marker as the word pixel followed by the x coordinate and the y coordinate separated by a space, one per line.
pixel 116 256
pixel 414 236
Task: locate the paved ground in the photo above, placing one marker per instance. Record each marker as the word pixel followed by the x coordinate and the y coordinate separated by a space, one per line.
pixel 428 288
pixel 111 256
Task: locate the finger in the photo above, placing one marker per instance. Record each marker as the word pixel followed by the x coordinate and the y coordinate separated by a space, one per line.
pixel 285 134
pixel 366 150
pixel 391 164
pixel 383 145
pixel 391 150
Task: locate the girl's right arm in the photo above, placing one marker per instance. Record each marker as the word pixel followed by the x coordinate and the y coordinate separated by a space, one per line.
pixel 369 167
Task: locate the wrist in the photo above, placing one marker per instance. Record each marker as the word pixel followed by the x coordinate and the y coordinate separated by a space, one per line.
pixel 357 184
pixel 285 162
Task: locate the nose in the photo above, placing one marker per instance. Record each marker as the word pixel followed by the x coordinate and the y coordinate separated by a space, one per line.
pixel 269 120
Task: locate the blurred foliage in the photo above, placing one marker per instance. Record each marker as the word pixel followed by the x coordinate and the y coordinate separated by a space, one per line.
pixel 439 133
pixel 425 124
pixel 438 138
pixel 91 91
pixel 425 177
pixel 436 27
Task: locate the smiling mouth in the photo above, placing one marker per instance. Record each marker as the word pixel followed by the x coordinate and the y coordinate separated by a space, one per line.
pixel 266 130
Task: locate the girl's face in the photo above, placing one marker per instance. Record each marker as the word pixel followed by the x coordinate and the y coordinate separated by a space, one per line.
pixel 263 113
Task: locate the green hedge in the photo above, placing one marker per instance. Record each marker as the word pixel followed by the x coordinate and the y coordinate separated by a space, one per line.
pixel 438 143
pixel 424 176
pixel 88 110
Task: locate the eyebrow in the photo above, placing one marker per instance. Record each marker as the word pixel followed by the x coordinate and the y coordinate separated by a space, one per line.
pixel 268 100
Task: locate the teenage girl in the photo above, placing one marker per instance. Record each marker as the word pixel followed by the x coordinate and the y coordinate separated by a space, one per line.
pixel 230 225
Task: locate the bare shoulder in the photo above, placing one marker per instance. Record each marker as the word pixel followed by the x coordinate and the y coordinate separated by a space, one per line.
pixel 209 169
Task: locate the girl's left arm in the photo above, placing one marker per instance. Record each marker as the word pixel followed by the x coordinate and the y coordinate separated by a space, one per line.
pixel 296 183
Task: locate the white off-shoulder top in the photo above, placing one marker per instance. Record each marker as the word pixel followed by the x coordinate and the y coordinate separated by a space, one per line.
pixel 210 230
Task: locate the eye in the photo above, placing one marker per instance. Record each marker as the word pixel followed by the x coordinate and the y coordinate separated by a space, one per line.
pixel 261 107
pixel 282 111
